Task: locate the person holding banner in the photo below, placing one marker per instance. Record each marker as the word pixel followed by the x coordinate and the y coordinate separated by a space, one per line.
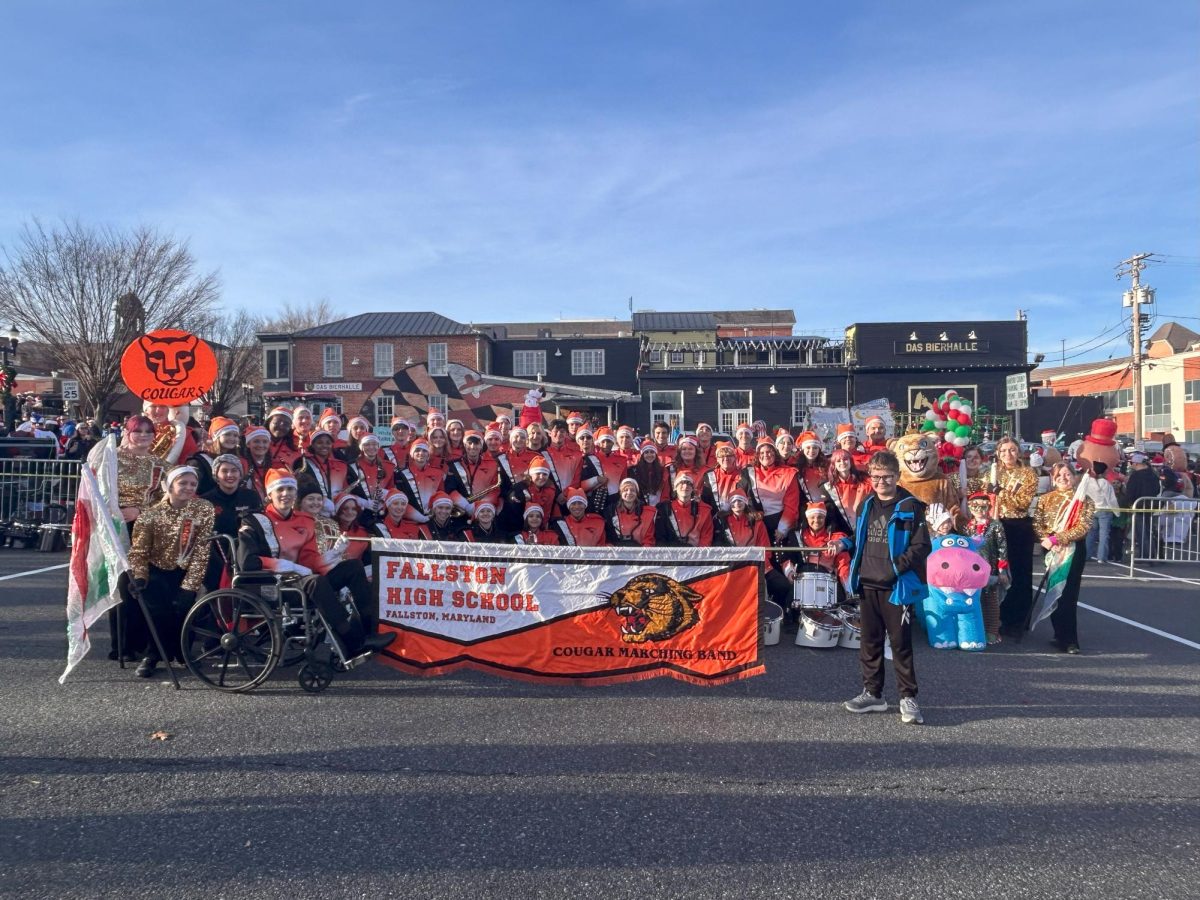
pixel 168 559
pixel 1061 522
pixel 346 510
pixel 283 541
pixel 683 521
pixel 442 524
pixel 1014 485
pixel 628 521
pixel 580 528
pixel 483 529
pixel 535 531
pixel 773 491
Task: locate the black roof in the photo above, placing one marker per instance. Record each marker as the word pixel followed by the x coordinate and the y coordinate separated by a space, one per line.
pixel 710 321
pixel 388 324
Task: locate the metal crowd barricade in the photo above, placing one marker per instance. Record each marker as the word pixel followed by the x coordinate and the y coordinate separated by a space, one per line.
pixel 1164 530
pixel 37 501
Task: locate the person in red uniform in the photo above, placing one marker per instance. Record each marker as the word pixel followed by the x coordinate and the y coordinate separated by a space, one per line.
pixel 830 550
pixel 575 421
pixel 850 485
pixel 614 465
pixel 564 457
pixel 629 522
pixel 475 475
pixel 627 445
pixel 580 528
pixel 738 528
pixel 331 422
pixel 745 447
pixel 592 477
pixel 397 452
pixel 483 528
pixel 846 438
pixel 455 432
pixel 283 540
pixel 371 474
pixel 439 447
pixel 395 523
pixel 303 427
pixel 535 530
pixel 718 484
pixel 320 469
pixel 706 445
pixel 258 459
pixel 442 524
pixel 683 521
pixel 773 491
pixel 346 510
pixel 812 464
pixel 789 450
pixel 224 436
pixel 661 435
pixel 519 455
pixel 687 459
pixel 876 441
pixel 419 480
pixel 650 474
pixel 537 489
pixel 284 453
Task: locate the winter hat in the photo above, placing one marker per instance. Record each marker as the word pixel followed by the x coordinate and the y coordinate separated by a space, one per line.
pixel 180 471
pixel 279 478
pixel 539 465
pixel 220 425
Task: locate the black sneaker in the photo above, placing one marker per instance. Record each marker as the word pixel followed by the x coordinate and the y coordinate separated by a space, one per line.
pixel 866 702
pixel 146 668
pixel 374 642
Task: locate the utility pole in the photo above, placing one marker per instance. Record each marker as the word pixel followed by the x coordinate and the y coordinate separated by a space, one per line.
pixel 1134 298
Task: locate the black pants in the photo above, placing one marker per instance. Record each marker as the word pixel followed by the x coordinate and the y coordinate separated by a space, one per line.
pixel 349 573
pixel 1063 618
pixel 166 611
pixel 881 619
pixel 1014 611
pixel 1145 535
pixel 126 624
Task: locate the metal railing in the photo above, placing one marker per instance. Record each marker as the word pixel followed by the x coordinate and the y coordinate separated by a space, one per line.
pixel 1164 530
pixel 34 494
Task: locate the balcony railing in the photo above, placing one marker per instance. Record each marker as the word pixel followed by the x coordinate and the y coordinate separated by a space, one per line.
pixel 725 355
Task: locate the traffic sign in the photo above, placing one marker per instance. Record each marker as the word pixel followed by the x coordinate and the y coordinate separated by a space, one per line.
pixel 70 390
pixel 1016 391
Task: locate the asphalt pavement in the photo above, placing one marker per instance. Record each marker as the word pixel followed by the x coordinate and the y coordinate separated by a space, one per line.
pixel 1037 774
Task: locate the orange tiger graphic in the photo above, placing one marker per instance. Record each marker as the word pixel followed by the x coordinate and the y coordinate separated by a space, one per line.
pixel 169 359
pixel 655 608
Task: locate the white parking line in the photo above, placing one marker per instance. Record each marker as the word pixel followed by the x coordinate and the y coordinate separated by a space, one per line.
pixel 33 572
pixel 1166 634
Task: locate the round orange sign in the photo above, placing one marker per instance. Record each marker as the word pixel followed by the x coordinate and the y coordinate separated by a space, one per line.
pixel 169 367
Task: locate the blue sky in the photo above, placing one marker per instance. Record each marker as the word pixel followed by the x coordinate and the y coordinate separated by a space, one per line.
pixel 855 162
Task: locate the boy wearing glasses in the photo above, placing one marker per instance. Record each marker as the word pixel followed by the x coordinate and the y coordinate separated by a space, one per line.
pixel 890 549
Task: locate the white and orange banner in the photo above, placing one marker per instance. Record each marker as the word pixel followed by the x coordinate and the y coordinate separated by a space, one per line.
pixel 593 615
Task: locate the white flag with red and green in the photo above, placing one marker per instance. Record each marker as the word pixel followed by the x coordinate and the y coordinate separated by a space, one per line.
pixel 1058 560
pixel 99 551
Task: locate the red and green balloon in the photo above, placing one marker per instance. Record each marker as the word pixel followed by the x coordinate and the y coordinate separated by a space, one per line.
pixel 953 417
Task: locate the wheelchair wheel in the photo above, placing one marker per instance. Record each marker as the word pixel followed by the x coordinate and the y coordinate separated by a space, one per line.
pixel 231 640
pixel 314 676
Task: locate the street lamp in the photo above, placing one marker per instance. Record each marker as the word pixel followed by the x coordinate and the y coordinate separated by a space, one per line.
pixel 6 347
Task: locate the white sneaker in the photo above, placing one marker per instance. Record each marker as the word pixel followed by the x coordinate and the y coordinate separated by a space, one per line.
pixel 866 702
pixel 910 713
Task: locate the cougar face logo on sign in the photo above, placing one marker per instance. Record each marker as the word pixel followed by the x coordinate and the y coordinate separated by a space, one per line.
pixel 654 608
pixel 171 360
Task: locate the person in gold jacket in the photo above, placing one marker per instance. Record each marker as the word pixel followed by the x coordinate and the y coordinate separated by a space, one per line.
pixel 168 558
pixel 1055 529
pixel 1014 486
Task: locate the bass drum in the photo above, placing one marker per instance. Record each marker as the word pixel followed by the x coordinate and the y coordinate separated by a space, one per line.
pixel 770 622
pixel 818 628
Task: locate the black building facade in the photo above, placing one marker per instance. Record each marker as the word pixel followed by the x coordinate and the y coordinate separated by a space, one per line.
pixel 603 364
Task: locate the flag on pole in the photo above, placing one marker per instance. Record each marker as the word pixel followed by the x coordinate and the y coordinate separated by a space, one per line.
pixel 1058 560
pixel 99 550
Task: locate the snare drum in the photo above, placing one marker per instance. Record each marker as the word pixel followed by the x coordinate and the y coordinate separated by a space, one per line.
pixel 815 590
pixel 770 622
pixel 818 628
pixel 851 635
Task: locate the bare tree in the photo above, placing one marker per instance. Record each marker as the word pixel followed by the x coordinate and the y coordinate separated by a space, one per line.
pixel 86 292
pixel 239 357
pixel 296 318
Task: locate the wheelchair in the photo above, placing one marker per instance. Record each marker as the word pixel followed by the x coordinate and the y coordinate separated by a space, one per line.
pixel 233 638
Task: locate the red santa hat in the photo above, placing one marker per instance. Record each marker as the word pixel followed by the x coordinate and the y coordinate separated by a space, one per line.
pixel 399 422
pixel 604 433
pixel 688 439
pixel 845 429
pixel 280 411
pixel 440 498
pixel 329 413
pixel 343 498
pixel 484 504
pixel 648 447
pixel 359 420
pixel 625 429
pixel 320 435
pixel 684 476
pixel 518 429
pixel 744 427
pixel 533 508
pixel 809 439
pixel 575 418
pixel 419 444
pixel 738 494
pixel 583 429
pixel 576 495
pixel 369 438
pixel 253 431
pixel 627 480
pixel 724 448
pixel 279 478
pixel 704 426
pixel 873 420
pixel 473 434
pixel 492 427
pixel 539 464
pixel 394 496
pixel 817 507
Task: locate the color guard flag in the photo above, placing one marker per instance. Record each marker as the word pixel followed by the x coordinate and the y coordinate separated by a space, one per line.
pixel 594 615
pixel 99 548
pixel 1058 560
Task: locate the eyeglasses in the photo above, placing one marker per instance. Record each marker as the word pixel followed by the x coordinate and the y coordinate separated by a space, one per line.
pixel 887 477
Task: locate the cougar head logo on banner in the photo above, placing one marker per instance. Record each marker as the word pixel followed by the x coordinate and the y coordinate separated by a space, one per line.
pixel 654 608
pixel 171 360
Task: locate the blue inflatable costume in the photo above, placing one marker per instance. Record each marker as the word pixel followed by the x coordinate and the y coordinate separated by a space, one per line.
pixel 952 610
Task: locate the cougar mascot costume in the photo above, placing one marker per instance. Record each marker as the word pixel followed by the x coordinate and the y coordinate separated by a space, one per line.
pixel 921 473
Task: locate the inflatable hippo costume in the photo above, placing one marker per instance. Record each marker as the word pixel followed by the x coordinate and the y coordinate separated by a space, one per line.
pixel 953 608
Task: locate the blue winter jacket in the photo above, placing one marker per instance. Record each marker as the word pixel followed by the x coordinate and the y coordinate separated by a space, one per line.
pixel 908 519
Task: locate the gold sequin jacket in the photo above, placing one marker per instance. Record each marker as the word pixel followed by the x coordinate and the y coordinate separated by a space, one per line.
pixel 138 478
pixel 1047 511
pixel 169 538
pixel 1017 488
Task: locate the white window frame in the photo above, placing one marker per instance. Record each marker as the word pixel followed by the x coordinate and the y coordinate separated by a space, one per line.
pixel 664 413
pixel 438 359
pixel 385 358
pixel 729 417
pixel 438 402
pixel 656 357
pixel 280 351
pixel 1160 420
pixel 587 362
pixel 677 357
pixel 385 408
pixel 805 397
pixel 1191 390
pixel 331 358
pixel 521 363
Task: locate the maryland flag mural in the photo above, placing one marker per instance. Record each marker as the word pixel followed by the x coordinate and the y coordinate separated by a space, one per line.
pixel 594 615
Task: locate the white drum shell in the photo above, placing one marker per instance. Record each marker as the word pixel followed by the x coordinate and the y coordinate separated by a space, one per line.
pixel 815 590
pixel 851 635
pixel 818 628
pixel 771 622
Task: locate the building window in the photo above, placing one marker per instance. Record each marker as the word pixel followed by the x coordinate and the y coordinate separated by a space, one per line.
pixel 438 402
pixel 276 365
pixel 734 408
pixel 1192 437
pixel 587 362
pixel 437 359
pixel 529 363
pixel 676 357
pixel 324 403
pixel 1157 414
pixel 383 361
pixel 656 357
pixel 333 361
pixel 384 406
pixel 1191 390
pixel 667 406
pixel 700 357
pixel 802 399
